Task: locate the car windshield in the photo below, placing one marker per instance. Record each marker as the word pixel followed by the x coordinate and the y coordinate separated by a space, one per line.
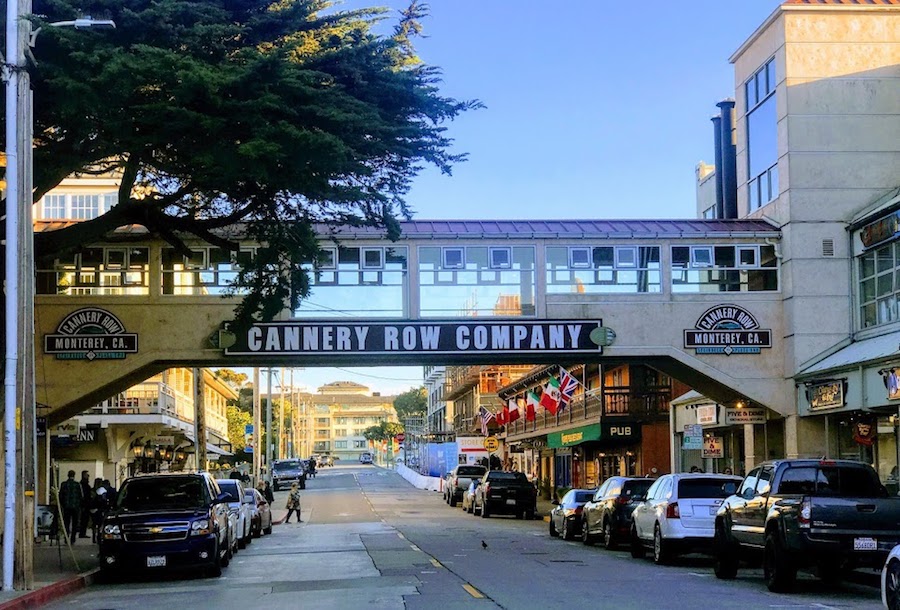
pixel 583 496
pixel 637 488
pixel 704 488
pixel 286 465
pixel 155 493
pixel 468 471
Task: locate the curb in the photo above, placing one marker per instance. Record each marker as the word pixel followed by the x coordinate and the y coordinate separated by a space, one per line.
pixel 45 595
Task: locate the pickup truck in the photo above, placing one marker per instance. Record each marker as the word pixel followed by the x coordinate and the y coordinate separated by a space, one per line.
pixel 457 482
pixel 508 493
pixel 828 514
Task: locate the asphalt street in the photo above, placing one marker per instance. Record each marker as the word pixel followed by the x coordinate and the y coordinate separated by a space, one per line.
pixel 369 539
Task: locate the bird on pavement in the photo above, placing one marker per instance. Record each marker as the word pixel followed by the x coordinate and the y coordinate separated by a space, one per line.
pixel 484 544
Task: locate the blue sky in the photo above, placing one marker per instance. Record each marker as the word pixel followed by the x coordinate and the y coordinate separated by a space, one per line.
pixel 594 109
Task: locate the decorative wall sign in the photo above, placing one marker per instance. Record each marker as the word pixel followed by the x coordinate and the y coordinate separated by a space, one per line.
pixel 319 338
pixel 713 447
pixel 90 334
pixel 864 431
pixel 825 395
pixel 748 415
pixel 727 329
pixel 707 415
pixel 880 231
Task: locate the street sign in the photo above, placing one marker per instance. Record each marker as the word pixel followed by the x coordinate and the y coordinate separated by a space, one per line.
pixel 491 443
pixel 248 438
pixel 693 437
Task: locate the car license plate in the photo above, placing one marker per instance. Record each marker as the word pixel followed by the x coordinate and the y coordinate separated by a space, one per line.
pixel 511 501
pixel 156 561
pixel 865 544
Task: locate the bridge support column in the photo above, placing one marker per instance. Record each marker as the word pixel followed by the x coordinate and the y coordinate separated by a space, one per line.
pixel 805 437
pixel 750 455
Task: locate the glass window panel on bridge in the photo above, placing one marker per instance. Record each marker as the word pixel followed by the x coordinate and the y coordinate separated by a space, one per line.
pixel 98 271
pixel 476 281
pixel 366 281
pixel 724 268
pixel 207 271
pixel 603 269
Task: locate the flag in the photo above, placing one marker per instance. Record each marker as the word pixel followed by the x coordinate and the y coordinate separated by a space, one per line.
pixel 502 416
pixel 567 387
pixel 486 417
pixel 550 397
pixel 513 407
pixel 531 404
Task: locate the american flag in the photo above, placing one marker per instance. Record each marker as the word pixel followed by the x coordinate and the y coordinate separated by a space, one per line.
pixel 567 386
pixel 486 417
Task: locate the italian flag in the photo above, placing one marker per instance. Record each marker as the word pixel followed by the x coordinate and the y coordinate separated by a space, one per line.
pixel 550 397
pixel 531 404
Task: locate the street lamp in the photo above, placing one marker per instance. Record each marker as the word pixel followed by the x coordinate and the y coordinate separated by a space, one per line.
pixel 18 238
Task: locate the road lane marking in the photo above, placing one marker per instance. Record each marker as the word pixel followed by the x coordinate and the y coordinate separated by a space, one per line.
pixel 415 548
pixel 402 537
pixel 473 591
pixel 436 563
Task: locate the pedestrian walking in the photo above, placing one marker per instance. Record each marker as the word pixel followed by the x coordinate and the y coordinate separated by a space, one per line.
pixel 97 502
pixel 293 504
pixel 70 497
pixel 266 490
pixel 86 495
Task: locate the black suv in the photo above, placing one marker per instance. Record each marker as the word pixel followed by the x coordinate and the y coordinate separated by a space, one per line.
pixel 165 521
pixel 285 472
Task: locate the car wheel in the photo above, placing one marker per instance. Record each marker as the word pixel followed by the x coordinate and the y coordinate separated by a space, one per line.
pixel 225 555
pixel 779 570
pixel 268 530
pixel 660 550
pixel 586 537
pixel 637 547
pixel 892 586
pixel 609 541
pixel 242 543
pixel 484 511
pixel 553 532
pixel 452 500
pixel 726 557
pixel 275 486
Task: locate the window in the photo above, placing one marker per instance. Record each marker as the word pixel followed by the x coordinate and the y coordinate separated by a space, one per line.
pixel 762 137
pixel 709 213
pixel 454 258
pixel 701 257
pixel 724 268
pixel 54 207
pixel 501 258
pixel 626 257
pixel 321 421
pixel 340 444
pixel 373 258
pixel 328 258
pixel 359 444
pixel 85 207
pixel 749 484
pixel 340 432
pixel 879 285
pixel 747 256
pixel 579 258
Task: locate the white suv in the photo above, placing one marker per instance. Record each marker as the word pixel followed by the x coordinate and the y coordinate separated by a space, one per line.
pixel 240 510
pixel 678 514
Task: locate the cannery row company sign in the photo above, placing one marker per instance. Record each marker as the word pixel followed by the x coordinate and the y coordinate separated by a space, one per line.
pixel 90 334
pixel 727 329
pixel 317 338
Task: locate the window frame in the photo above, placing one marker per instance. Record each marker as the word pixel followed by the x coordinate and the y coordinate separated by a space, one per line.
pixel 588 257
pixel 697 264
pixel 507 264
pixel 364 263
pixel 447 264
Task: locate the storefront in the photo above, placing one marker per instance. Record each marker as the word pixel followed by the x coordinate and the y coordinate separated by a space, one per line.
pixel 587 455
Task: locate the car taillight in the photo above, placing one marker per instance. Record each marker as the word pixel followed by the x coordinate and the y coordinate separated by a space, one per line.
pixel 487 488
pixel 579 510
pixel 455 481
pixel 805 513
pixel 672 511
pixel 622 500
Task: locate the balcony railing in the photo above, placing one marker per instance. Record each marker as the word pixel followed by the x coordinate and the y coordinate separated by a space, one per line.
pixel 644 403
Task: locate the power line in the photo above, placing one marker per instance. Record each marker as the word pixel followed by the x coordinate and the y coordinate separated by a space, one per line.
pixel 377 376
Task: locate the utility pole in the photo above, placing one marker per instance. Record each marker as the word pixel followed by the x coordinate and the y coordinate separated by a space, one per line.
pixel 282 437
pixel 257 435
pixel 269 442
pixel 199 421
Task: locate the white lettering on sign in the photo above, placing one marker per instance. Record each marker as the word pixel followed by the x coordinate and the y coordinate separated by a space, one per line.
pixel 431 336
pixel 253 336
pixel 620 431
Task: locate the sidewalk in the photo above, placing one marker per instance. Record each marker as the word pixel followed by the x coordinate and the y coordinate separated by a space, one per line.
pixel 57 572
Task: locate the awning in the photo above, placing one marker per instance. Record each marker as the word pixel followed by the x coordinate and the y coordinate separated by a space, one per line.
pixel 573 436
pixel 883 347
pixel 210 448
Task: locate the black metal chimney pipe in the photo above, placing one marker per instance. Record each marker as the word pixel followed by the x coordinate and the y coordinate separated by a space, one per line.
pixel 729 159
pixel 717 139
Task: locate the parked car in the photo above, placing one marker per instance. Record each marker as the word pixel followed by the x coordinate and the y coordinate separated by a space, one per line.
pixel 286 472
pixel 679 514
pixel 890 580
pixel 457 481
pixel 565 518
pixel 365 458
pixel 468 499
pixel 831 514
pixel 608 514
pixel 260 512
pixel 508 493
pixel 240 509
pixel 166 521
pixel 327 460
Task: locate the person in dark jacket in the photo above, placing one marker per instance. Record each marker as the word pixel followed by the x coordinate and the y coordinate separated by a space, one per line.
pixel 268 493
pixel 70 498
pixel 86 495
